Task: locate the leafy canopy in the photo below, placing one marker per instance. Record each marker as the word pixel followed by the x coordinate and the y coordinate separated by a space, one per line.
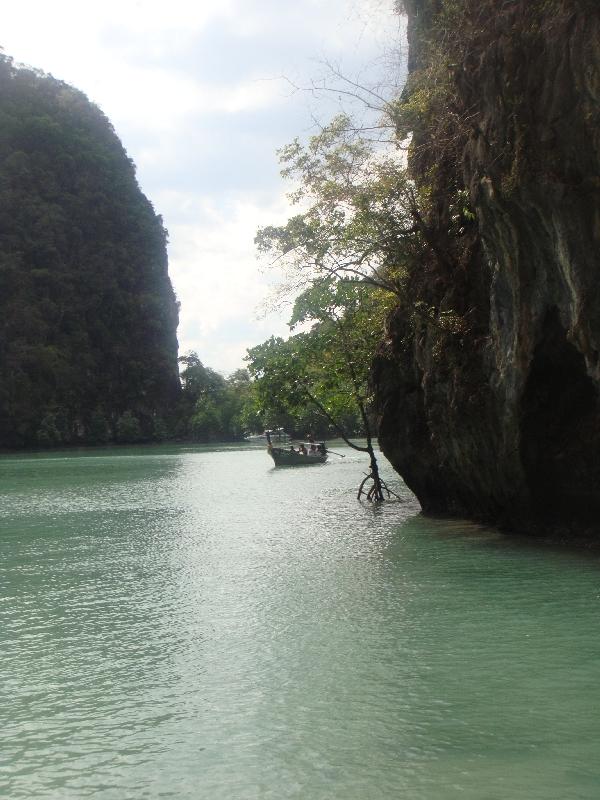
pixel 328 365
pixel 360 217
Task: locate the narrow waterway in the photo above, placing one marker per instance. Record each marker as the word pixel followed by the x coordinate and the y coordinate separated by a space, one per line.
pixel 192 623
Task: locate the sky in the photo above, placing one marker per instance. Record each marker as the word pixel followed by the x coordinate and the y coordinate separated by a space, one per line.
pixel 202 94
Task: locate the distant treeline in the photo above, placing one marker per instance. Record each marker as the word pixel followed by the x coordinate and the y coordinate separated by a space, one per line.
pixel 214 408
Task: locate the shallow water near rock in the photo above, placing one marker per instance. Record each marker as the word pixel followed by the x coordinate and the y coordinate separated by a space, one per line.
pixel 193 623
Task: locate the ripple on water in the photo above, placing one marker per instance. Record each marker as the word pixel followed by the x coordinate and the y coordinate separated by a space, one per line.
pixel 197 624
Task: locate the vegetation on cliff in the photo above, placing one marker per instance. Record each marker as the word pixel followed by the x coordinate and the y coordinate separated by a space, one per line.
pixel 498 419
pixel 88 349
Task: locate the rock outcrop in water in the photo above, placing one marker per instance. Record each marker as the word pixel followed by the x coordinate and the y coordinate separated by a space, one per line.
pixel 88 348
pixel 491 410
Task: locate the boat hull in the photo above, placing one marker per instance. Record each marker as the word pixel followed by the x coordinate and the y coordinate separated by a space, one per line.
pixel 285 458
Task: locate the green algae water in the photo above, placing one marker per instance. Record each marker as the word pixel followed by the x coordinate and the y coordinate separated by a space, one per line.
pixel 196 624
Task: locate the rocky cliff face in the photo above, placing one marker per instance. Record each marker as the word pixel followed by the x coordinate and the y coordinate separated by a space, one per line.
pixel 88 316
pixel 497 416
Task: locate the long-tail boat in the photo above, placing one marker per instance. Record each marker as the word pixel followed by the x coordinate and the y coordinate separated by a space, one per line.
pixel 308 454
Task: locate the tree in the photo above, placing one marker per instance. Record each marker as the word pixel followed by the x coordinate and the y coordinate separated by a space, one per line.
pixel 198 380
pixel 365 240
pixel 213 407
pixel 197 414
pixel 347 254
pixel 327 366
pixel 362 217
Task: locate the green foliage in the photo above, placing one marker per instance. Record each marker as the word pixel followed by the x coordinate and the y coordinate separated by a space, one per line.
pixel 429 115
pixel 214 408
pixel 160 429
pixel 128 429
pixel 206 423
pixel 88 312
pixel 364 232
pixel 362 219
pixel 325 368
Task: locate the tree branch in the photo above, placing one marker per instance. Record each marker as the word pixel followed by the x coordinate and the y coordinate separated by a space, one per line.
pixel 326 413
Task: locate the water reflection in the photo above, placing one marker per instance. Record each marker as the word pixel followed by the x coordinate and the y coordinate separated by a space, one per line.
pixel 185 623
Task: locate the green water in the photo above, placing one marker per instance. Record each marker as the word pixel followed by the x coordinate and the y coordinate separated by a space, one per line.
pixel 195 624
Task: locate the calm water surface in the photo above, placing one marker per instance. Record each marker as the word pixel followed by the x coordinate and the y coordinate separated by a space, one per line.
pixel 195 624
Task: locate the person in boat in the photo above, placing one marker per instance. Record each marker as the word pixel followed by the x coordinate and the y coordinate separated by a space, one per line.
pixel 321 449
pixel 302 449
pixel 313 449
pixel 292 449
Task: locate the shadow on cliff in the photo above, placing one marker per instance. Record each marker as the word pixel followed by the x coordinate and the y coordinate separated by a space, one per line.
pixel 559 425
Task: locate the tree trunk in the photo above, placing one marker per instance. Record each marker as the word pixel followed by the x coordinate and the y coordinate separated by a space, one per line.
pixel 376 491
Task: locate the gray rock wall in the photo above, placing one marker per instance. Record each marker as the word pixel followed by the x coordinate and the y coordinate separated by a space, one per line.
pixel 502 422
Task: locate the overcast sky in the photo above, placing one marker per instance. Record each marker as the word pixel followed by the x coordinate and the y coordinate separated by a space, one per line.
pixel 200 95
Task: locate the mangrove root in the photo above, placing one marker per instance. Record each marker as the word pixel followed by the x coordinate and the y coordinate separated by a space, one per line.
pixel 378 490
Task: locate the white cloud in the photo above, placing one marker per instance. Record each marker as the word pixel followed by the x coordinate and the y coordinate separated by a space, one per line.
pixel 194 90
pixel 213 266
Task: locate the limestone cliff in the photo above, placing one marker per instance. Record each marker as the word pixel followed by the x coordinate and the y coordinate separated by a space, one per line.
pixel 88 316
pixel 490 409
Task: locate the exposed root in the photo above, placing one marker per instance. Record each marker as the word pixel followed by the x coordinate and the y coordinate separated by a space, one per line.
pixel 378 491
